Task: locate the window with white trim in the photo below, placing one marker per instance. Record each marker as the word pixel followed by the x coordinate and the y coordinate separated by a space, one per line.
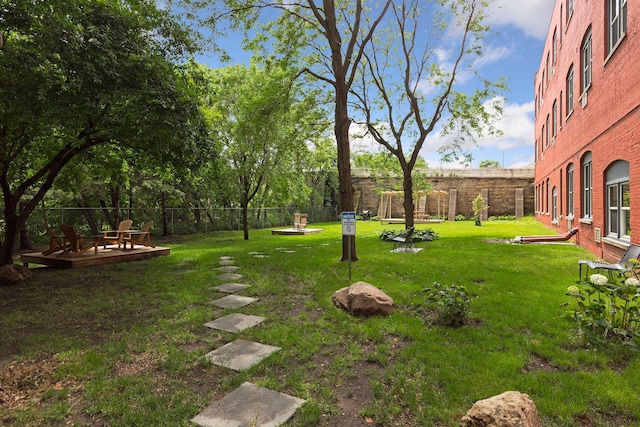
pixel 554 205
pixel 570 189
pixel 618 201
pixel 554 117
pixel 570 91
pixel 569 9
pixel 586 59
pixel 587 187
pixel 617 22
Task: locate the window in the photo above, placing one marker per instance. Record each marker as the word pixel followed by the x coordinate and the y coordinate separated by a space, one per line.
pixel 569 9
pixel 554 205
pixel 554 118
pixel 586 62
pixel 570 91
pixel 555 46
pixel 548 67
pixel 570 190
pixel 617 22
pixel 548 131
pixel 618 196
pixel 587 187
pixel 548 201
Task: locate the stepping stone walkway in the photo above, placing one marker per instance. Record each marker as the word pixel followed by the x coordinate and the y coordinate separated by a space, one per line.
pixel 228 268
pixel 249 405
pixel 235 322
pixel 233 301
pixel 230 288
pixel 240 354
pixel 230 276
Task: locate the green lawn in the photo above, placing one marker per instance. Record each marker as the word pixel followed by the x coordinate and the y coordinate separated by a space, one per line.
pixel 122 345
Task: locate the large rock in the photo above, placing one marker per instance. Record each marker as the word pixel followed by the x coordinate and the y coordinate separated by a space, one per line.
pixel 13 274
pixel 363 299
pixel 509 409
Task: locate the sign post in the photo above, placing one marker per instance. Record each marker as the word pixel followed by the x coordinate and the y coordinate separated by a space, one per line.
pixel 349 230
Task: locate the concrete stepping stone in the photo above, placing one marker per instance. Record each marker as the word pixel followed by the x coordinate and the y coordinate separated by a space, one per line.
pixel 240 354
pixel 261 256
pixel 227 262
pixel 226 258
pixel 233 301
pixel 230 288
pixel 249 405
pixel 227 268
pixel 235 322
pixel 230 276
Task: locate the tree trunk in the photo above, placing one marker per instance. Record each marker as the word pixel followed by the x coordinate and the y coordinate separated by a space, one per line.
pixel 25 241
pixel 409 206
pixel 165 220
pixel 344 164
pixel 245 220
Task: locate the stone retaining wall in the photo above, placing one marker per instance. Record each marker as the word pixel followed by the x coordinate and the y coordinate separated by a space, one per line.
pixel 501 184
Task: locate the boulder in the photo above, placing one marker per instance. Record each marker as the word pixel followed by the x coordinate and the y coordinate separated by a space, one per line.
pixel 13 274
pixel 363 299
pixel 509 409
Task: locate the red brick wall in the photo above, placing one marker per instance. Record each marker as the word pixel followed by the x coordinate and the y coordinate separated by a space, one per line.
pixel 608 126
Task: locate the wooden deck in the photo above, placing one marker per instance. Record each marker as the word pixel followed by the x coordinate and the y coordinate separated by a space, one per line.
pixel 105 256
pixel 415 221
pixel 297 231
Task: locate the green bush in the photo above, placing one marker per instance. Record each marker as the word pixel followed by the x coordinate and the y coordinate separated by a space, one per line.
pixel 453 302
pixel 419 235
pixel 460 217
pixel 608 312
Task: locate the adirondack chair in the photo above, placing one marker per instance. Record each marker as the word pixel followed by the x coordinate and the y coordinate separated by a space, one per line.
pixel 56 243
pixel 75 242
pixel 116 237
pixel 141 237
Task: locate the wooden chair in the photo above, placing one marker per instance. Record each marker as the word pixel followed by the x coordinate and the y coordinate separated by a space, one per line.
pixel 142 237
pixel 75 242
pixel 116 237
pixel 56 243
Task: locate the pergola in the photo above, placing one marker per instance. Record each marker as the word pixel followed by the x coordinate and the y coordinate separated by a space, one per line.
pixel 385 211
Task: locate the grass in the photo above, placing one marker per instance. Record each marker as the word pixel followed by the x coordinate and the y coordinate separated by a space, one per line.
pixel 122 345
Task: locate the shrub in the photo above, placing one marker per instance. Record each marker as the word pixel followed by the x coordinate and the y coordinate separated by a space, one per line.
pixel 608 312
pixel 453 302
pixel 460 217
pixel 419 235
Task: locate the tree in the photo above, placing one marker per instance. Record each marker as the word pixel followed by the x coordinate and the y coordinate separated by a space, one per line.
pixel 262 120
pixel 334 34
pixel 78 74
pixel 490 164
pixel 390 81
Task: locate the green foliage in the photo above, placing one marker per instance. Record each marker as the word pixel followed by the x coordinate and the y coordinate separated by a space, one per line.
pixel 453 303
pixel 419 235
pixel 478 205
pixel 491 164
pixel 608 312
pixel 502 218
pixel 460 217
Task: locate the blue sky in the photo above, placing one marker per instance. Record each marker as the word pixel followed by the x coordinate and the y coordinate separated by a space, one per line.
pixel 514 51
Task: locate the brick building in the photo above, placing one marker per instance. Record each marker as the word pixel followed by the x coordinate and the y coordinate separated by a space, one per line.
pixel 587 104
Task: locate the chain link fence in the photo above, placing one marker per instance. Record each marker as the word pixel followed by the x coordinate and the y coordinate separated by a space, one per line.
pixel 172 221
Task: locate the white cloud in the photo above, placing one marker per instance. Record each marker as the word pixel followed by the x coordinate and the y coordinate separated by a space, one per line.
pixel 517 128
pixel 530 16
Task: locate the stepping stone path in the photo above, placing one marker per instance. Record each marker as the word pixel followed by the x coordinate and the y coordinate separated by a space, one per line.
pixel 249 404
pixel 230 288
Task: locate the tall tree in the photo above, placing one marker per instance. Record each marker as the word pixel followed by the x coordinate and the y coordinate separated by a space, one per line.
pixel 334 34
pixel 403 79
pixel 77 74
pixel 262 121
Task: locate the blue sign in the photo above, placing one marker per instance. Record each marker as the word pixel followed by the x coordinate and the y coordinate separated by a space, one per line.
pixel 348 223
